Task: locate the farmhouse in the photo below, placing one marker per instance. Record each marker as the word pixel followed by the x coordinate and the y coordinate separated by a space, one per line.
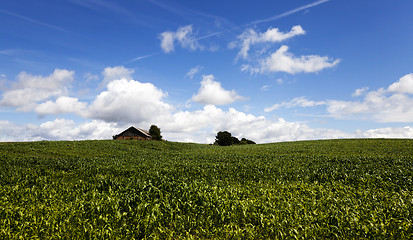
pixel 133 133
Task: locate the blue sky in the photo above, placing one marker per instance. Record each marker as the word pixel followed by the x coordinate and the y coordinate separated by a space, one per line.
pixel 265 70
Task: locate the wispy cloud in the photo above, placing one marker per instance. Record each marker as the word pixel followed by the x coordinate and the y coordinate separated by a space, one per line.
pixel 183 35
pixel 296 102
pixel 216 24
pixel 113 7
pixel 251 37
pixel 232 27
pixel 193 71
pixel 33 21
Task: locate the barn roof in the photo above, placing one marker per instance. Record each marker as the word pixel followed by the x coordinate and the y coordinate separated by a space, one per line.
pixel 134 130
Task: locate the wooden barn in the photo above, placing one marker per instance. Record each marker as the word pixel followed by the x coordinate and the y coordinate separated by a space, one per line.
pixel 133 133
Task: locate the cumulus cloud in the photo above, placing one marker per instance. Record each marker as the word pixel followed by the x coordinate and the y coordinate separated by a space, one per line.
pixel 202 125
pixel 250 37
pixel 196 126
pixel 378 105
pixel 129 101
pixel 388 132
pixel 392 104
pixel 62 105
pixel 404 85
pixel 58 129
pixel 116 73
pixel 211 92
pixel 64 129
pixel 283 61
pixel 183 36
pixel 124 100
pixel 30 89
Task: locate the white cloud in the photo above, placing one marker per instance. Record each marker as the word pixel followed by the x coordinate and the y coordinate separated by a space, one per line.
pixel 383 105
pixel 250 37
pixel 280 60
pixel 191 73
pixel 404 85
pixel 249 68
pixel 62 105
pixel 377 105
pixel 389 132
pixel 283 61
pixel 211 92
pixel 265 88
pixel 29 89
pixel 167 42
pixel 296 102
pixel 116 73
pixel 206 123
pixel 58 129
pixel 64 129
pixel 125 100
pixel 129 101
pixel 393 104
pixel 202 126
pixel 11 132
pixel 360 91
pixel 183 36
pixel 90 77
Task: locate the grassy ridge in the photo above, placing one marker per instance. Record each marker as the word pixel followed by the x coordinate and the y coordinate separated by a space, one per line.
pixel 135 189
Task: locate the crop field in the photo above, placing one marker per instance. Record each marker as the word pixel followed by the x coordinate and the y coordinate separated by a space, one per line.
pixel 329 189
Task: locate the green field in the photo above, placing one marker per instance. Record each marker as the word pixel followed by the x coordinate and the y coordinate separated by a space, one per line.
pixel 330 189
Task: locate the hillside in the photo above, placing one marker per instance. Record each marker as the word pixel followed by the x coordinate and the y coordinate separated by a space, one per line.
pixel 355 188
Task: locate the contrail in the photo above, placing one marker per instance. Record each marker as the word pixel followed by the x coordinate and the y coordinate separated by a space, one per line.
pixel 282 15
pixel 33 21
pixel 288 13
pixel 143 57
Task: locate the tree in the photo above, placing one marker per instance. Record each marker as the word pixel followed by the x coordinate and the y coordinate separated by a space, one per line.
pixel 155 133
pixel 246 141
pixel 234 140
pixel 223 138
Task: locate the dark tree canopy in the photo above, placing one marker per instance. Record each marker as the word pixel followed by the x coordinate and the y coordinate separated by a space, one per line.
pixel 226 139
pixel 155 133
pixel 223 138
pixel 234 140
